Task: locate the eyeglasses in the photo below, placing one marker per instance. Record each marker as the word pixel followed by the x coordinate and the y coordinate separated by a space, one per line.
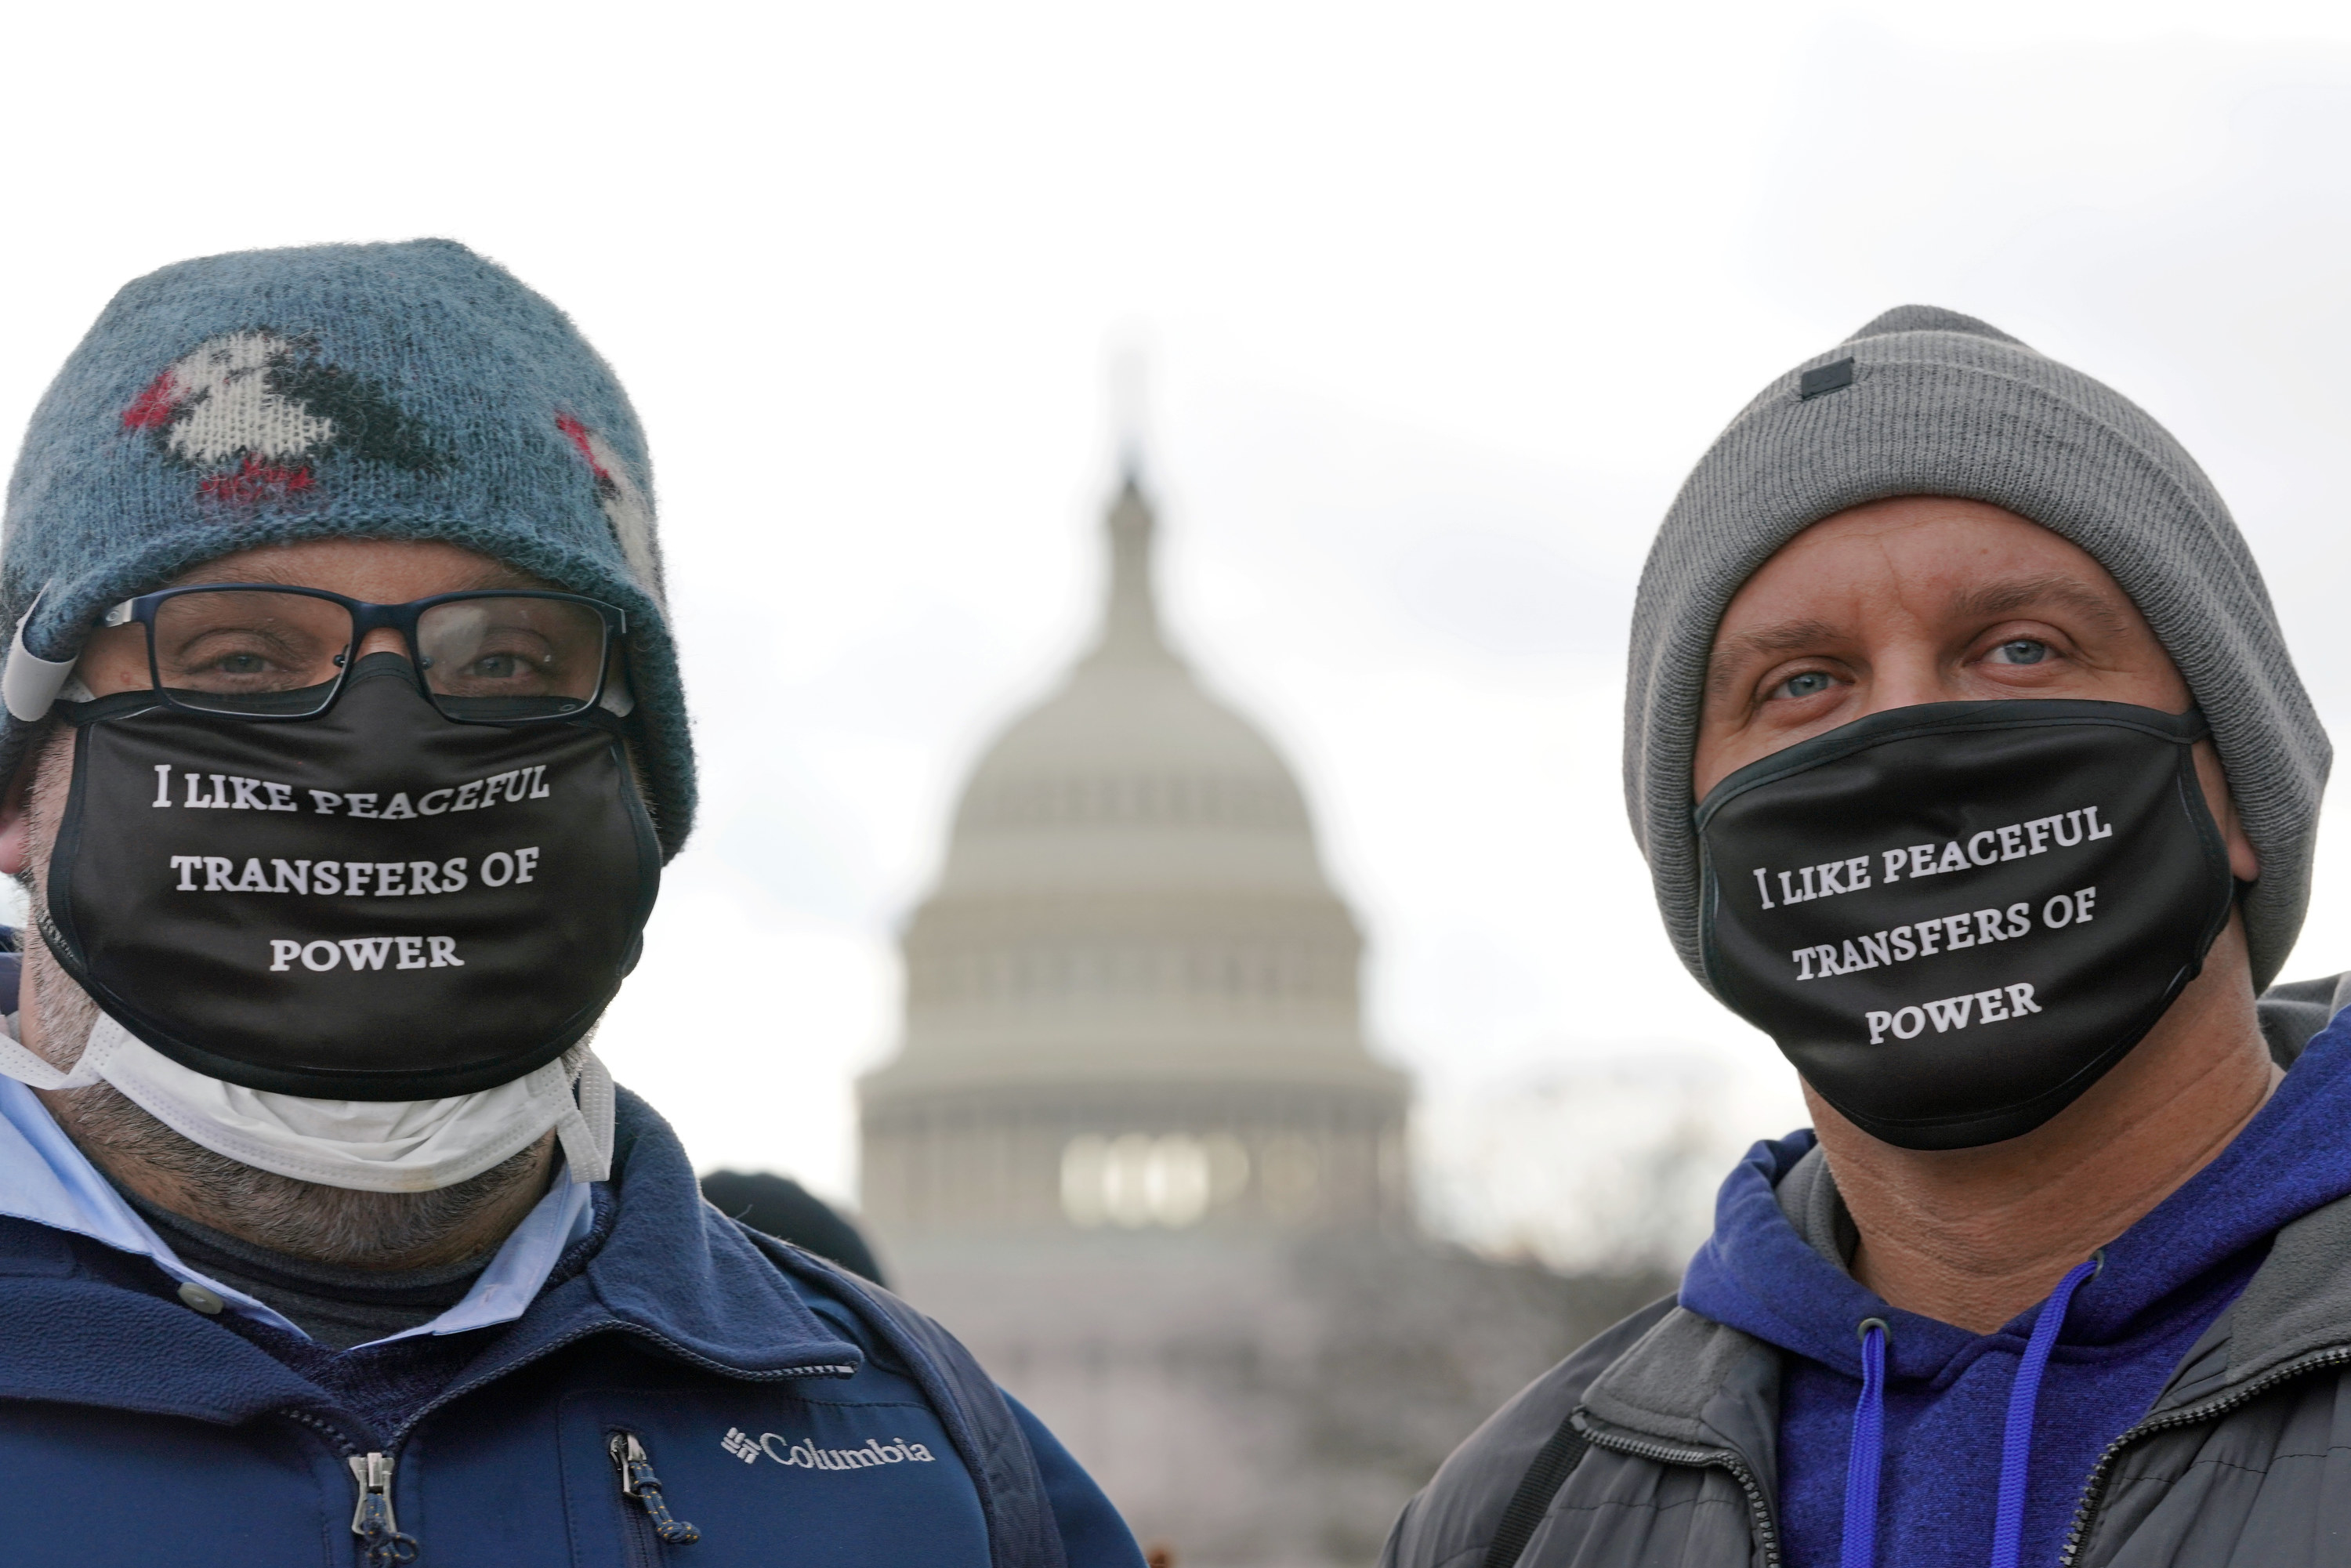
pixel 495 656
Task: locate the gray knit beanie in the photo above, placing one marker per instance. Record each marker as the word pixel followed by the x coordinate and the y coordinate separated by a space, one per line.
pixel 414 391
pixel 1924 401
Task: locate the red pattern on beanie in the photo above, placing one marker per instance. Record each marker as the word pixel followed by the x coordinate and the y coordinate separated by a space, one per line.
pixel 606 486
pixel 255 481
pixel 155 406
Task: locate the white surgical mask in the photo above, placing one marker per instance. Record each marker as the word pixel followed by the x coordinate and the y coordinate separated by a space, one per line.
pixel 373 1146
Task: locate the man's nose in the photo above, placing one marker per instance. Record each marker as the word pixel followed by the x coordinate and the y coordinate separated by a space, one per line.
pixel 382 640
pixel 1907 676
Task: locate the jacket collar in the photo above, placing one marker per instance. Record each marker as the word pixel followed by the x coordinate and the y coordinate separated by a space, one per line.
pixel 2297 1305
pixel 99 1327
pixel 1708 1389
pixel 1695 1385
pixel 45 1178
pixel 677 1272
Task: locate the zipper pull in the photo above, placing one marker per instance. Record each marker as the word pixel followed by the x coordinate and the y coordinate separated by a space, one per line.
pixel 372 1521
pixel 638 1481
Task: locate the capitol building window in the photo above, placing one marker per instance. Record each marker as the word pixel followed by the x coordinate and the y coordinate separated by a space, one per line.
pixel 1136 1180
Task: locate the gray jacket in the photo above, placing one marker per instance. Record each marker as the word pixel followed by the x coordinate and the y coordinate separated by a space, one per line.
pixel 1667 1429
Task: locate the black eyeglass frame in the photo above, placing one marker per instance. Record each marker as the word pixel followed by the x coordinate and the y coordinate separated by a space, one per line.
pixel 366 618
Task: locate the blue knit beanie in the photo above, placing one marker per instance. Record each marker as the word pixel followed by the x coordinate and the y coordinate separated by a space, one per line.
pixel 398 392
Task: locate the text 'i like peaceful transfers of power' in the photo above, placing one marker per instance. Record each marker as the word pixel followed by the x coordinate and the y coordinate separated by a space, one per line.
pixel 391 879
pixel 1943 932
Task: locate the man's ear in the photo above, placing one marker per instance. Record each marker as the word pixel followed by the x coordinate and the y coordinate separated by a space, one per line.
pixel 2244 863
pixel 16 812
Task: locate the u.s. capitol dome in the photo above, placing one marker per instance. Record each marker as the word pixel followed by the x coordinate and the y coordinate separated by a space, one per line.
pixel 1132 997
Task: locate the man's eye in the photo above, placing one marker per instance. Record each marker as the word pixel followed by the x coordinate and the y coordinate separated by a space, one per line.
pixel 2020 651
pixel 1811 682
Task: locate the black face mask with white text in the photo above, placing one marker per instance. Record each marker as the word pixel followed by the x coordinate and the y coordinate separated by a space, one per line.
pixel 377 904
pixel 1954 918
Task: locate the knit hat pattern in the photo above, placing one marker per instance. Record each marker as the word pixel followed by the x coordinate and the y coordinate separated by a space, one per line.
pixel 410 390
pixel 1936 403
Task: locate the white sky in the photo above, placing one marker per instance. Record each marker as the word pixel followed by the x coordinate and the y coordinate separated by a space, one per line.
pixel 1438 303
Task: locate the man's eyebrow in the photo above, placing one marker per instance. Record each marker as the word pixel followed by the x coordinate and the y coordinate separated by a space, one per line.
pixel 1787 637
pixel 1997 598
pixel 500 576
pixel 1988 601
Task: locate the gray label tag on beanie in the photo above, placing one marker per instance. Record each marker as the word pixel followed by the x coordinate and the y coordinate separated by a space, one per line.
pixel 1825 379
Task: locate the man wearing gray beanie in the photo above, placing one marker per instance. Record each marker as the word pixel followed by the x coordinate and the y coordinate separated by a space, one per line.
pixel 343 747
pixel 1971 767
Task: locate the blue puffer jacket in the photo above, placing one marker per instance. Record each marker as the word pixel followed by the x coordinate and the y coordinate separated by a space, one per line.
pixel 786 1414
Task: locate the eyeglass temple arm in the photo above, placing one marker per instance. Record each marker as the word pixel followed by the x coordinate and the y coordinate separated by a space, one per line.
pixel 29 684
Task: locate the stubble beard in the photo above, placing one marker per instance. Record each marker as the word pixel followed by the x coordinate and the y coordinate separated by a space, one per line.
pixel 299 1219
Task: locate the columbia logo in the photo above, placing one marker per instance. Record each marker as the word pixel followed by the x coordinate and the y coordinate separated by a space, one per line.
pixel 807 1456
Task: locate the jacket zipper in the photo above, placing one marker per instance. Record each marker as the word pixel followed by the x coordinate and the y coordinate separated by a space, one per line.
pixel 640 1485
pixel 393 1549
pixel 1767 1535
pixel 372 1521
pixel 1758 1510
pixel 2187 1416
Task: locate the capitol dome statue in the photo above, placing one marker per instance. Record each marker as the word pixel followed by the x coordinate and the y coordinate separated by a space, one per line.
pixel 1132 1000
pixel 1133 1150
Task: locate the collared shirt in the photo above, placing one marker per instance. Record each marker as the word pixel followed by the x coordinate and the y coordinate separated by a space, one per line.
pixel 46 1179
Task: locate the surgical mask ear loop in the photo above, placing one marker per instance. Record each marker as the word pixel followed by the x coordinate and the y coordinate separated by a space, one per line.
pixel 18 1061
pixel 585 1130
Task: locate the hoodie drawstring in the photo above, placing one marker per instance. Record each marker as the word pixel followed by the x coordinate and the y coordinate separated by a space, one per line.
pixel 1867 1458
pixel 2024 1398
pixel 1868 1450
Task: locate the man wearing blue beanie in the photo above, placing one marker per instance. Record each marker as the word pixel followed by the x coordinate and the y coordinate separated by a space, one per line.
pixel 1971 767
pixel 345 744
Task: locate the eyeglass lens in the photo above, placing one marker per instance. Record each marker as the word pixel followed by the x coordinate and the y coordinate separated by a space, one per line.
pixel 506 655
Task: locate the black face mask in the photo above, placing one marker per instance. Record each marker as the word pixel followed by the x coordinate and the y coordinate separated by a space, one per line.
pixel 378 904
pixel 1955 918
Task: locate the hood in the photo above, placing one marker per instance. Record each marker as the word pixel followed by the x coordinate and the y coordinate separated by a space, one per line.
pixel 1772 1267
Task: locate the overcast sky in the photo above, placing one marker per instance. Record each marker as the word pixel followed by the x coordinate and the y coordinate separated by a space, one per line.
pixel 1437 304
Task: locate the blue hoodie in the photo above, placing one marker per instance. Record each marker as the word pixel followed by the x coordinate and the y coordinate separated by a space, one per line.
pixel 2164 1283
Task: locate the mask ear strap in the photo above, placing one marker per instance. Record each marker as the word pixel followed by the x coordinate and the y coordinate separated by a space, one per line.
pixel 585 1129
pixel 29 684
pixel 19 1062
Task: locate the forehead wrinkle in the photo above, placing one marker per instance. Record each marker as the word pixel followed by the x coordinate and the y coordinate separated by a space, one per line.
pixel 493 574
